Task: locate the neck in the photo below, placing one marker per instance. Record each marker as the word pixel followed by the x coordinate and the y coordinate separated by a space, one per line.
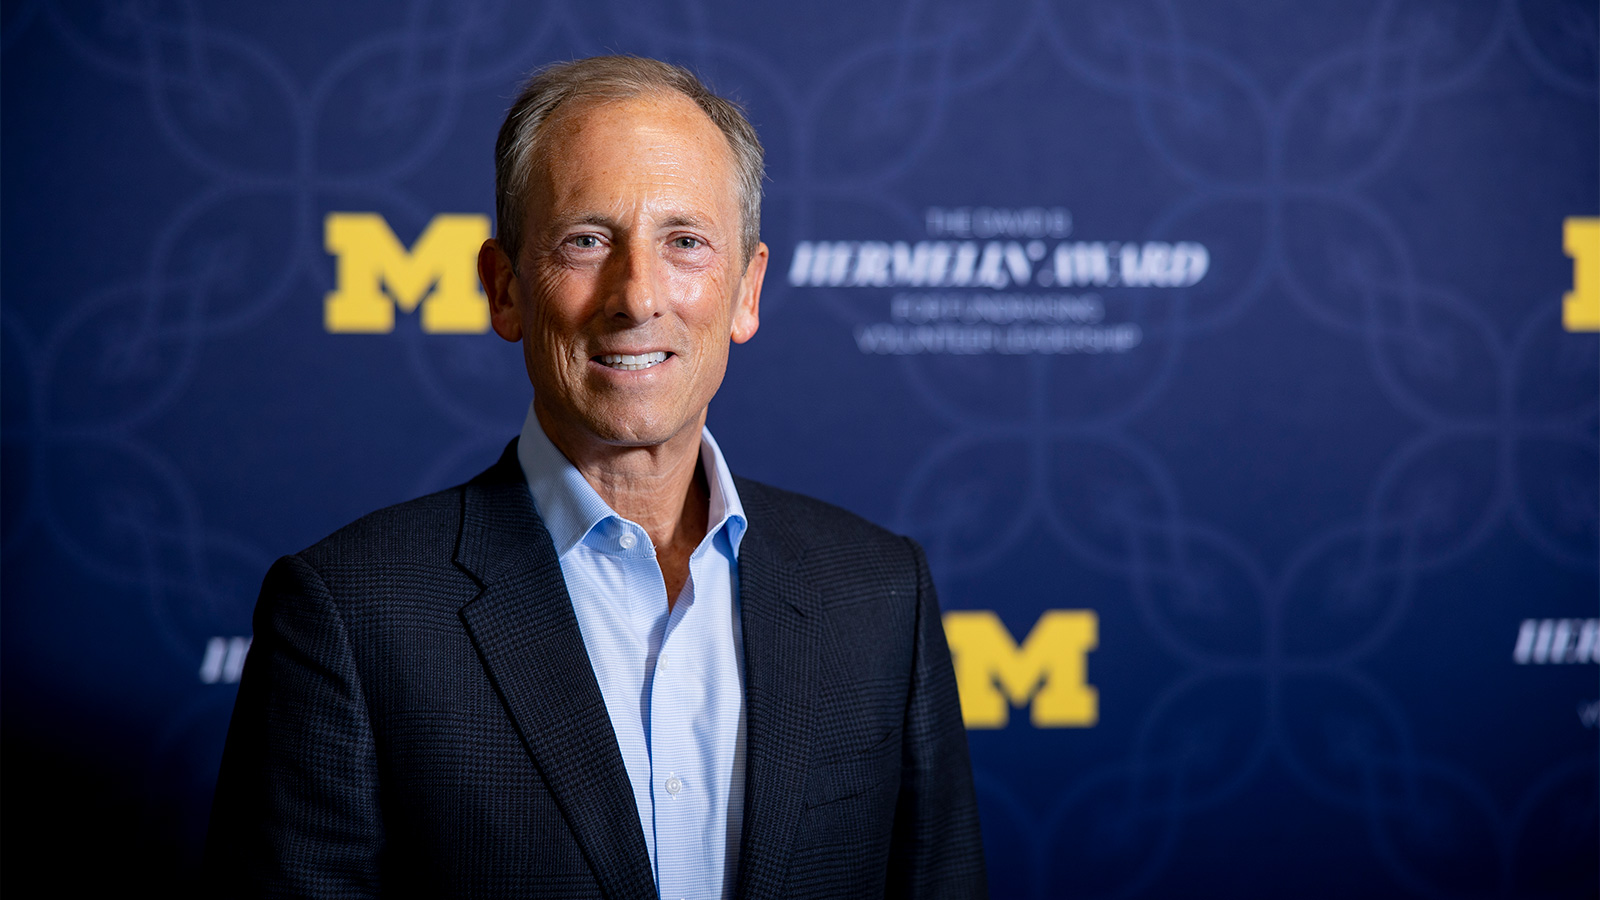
pixel 662 487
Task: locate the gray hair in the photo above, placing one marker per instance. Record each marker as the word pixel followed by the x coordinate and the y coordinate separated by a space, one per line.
pixel 605 78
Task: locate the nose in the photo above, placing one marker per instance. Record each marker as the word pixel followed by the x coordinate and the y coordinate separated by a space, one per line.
pixel 631 297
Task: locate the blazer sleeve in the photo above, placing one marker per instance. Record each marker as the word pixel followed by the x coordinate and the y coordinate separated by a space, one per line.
pixel 936 850
pixel 296 811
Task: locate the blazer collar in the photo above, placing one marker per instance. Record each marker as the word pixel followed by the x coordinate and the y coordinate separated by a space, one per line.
pixel 523 627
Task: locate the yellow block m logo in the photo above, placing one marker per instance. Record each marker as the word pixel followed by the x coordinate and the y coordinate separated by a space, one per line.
pixel 370 257
pixel 1049 668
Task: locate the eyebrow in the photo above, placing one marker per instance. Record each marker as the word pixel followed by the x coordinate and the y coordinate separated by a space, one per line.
pixel 686 221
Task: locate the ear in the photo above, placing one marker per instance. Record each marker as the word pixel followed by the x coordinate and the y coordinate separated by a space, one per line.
pixel 747 304
pixel 499 285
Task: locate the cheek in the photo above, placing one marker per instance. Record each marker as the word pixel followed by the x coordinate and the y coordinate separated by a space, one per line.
pixel 703 299
pixel 555 314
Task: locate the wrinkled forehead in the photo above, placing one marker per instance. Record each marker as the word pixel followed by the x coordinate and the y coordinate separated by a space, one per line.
pixel 661 129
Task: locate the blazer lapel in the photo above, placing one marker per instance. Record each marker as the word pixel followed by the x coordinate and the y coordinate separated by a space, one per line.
pixel 780 616
pixel 527 635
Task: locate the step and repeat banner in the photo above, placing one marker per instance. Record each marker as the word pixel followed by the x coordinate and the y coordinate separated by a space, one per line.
pixel 1234 363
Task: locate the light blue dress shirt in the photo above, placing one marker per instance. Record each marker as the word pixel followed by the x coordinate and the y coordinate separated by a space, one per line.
pixel 673 683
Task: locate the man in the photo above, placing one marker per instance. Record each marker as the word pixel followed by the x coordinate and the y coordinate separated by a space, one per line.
pixel 606 667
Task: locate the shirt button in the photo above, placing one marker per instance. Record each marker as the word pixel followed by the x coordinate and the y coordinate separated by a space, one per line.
pixel 661 662
pixel 628 541
pixel 674 785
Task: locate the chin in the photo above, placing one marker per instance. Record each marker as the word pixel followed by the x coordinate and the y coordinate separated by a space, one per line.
pixel 637 432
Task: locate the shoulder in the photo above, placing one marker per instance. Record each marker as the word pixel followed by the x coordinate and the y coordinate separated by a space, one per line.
pixel 814 522
pixel 395 571
pixel 411 530
pixel 833 544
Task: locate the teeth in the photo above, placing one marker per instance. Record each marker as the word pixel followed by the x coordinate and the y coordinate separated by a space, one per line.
pixel 630 363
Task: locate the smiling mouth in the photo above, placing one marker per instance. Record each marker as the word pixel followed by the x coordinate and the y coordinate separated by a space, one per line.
pixel 630 363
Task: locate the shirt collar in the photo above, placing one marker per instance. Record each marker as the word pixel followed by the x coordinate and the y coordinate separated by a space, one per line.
pixel 571 508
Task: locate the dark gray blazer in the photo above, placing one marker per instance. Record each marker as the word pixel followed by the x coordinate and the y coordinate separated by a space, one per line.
pixel 418 716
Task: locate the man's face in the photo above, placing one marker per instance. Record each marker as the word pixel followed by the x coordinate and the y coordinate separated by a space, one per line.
pixel 630 281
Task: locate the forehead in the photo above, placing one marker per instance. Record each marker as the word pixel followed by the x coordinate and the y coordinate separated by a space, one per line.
pixel 659 141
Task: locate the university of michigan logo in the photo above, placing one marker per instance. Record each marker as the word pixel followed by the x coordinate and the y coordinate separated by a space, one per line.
pixel 1049 669
pixel 439 273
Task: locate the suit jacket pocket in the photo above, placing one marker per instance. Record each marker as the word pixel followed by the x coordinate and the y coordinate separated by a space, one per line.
pixel 855 773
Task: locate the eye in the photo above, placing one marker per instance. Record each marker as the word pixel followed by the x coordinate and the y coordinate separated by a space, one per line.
pixel 685 242
pixel 585 241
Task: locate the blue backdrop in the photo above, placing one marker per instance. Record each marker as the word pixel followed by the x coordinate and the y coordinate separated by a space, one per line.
pixel 1233 329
